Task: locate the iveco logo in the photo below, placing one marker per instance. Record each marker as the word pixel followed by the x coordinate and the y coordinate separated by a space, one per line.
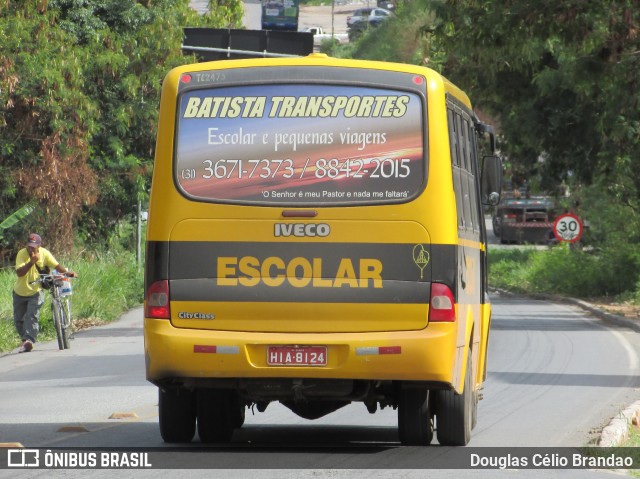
pixel 301 229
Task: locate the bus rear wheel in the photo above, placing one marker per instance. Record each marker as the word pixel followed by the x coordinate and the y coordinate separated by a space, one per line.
pixel 415 426
pixel 455 413
pixel 219 413
pixel 177 412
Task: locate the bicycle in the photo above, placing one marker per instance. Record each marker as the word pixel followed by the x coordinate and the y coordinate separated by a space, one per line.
pixel 59 286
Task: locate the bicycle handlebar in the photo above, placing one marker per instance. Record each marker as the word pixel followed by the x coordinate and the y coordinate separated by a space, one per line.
pixel 53 277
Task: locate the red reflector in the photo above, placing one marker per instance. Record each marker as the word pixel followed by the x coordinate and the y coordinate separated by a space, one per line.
pixel 442 304
pixel 199 348
pixel 390 350
pixel 157 301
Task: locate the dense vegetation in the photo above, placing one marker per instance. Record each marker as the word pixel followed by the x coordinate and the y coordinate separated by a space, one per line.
pixel 565 271
pixel 79 88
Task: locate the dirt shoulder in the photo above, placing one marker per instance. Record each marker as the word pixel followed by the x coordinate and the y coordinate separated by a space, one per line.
pixel 625 310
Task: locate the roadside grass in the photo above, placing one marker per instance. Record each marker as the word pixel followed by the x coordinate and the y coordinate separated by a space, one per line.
pixel 634 438
pixel 108 284
pixel 633 441
pixel 613 273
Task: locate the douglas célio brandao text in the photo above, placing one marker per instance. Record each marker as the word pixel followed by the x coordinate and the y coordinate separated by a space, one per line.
pixel 533 460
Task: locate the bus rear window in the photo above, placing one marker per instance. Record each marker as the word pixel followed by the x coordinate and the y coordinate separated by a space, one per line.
pixel 300 144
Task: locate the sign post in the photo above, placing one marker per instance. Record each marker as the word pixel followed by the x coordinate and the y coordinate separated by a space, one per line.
pixel 568 227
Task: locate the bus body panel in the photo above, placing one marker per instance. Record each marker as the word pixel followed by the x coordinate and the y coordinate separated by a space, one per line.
pixel 247 276
pixel 259 275
pixel 232 354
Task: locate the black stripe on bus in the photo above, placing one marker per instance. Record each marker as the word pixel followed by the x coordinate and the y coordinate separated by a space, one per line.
pixel 205 290
pixel 192 268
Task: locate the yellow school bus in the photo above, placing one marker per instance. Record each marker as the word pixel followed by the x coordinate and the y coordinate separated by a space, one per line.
pixel 316 238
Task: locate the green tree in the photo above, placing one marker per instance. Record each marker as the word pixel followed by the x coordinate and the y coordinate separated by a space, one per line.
pixel 405 37
pixel 79 84
pixel 561 77
pixel 562 80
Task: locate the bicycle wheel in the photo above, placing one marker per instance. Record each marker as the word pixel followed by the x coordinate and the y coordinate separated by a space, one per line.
pixel 57 323
pixel 65 307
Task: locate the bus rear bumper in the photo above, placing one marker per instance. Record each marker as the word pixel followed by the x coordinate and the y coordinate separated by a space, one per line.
pixel 175 355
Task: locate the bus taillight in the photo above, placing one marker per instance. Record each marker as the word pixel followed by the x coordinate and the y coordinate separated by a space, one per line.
pixel 157 304
pixel 442 304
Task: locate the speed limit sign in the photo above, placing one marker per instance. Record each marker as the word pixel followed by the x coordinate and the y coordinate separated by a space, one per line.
pixel 568 227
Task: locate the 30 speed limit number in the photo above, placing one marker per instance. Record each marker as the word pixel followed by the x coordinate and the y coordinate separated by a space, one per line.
pixel 568 227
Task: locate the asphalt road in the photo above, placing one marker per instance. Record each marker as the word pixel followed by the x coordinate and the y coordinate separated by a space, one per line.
pixel 555 377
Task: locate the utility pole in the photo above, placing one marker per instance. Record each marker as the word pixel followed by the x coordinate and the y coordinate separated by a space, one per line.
pixel 333 6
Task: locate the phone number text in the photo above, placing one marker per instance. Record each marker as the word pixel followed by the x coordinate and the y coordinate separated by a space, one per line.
pixel 320 168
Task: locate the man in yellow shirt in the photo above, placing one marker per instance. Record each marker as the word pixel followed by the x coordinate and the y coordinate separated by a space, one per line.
pixel 28 298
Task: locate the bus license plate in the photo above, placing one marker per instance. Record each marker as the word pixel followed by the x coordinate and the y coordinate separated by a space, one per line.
pixel 297 356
